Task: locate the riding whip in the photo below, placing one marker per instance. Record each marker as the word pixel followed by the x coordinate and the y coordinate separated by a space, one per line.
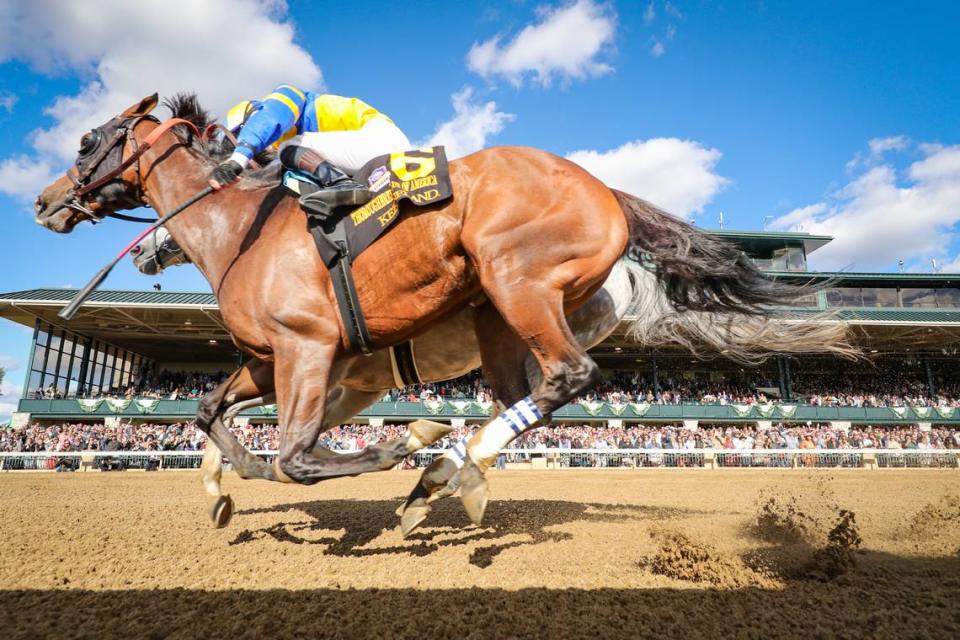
pixel 71 309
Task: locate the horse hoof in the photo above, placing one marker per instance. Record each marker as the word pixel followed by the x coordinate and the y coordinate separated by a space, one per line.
pixel 221 511
pixel 423 433
pixel 413 514
pixel 452 486
pixel 473 491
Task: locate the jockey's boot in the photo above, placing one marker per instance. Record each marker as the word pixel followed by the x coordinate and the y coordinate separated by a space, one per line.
pixel 337 189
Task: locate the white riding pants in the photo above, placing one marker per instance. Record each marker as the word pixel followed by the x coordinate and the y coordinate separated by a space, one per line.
pixel 350 150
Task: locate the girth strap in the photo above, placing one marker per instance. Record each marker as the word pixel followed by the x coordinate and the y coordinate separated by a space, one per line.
pixel 404 364
pixel 343 287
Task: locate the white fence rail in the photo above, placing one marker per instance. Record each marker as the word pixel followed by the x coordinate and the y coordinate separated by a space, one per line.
pixel 534 458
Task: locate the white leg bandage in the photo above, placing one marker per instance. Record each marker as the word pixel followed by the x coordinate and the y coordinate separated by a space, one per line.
pixel 485 445
pixel 457 453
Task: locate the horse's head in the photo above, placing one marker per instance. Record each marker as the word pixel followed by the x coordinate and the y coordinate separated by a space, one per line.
pixel 156 252
pixel 98 183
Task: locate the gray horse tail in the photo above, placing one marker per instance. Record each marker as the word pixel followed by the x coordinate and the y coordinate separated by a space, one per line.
pixel 705 294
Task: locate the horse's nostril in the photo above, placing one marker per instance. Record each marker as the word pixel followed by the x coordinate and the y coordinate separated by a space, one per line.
pixel 38 205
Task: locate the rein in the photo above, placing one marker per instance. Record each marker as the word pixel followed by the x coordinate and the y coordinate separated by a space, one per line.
pixel 214 127
pixel 71 309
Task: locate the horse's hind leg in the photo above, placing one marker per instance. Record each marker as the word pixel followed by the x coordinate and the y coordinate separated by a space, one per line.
pixel 566 368
pixel 502 354
pixel 535 269
pixel 590 323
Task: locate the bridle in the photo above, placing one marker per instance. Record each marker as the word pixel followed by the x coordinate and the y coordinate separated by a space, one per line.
pixel 93 154
pixel 85 183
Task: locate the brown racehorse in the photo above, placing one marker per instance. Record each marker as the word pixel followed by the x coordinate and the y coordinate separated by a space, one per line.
pixel 528 238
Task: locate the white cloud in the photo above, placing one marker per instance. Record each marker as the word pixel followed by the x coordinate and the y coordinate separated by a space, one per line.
pixel 951 266
pixel 879 146
pixel 126 50
pixel 675 174
pixel 10 392
pixel 658 43
pixel 8 101
pixel 565 43
pixel 882 215
pixel 471 126
pixel 672 11
pixel 649 14
pixel 23 177
pixel 797 217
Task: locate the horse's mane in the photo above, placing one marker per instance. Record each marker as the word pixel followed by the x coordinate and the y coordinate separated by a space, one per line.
pixel 187 106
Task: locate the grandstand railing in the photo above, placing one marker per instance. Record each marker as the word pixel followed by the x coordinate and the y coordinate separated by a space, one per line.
pixel 580 412
pixel 533 458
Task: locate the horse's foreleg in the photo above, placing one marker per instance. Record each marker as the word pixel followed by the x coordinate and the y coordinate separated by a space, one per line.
pixel 245 387
pixel 302 376
pixel 343 403
pixel 211 469
pixel 302 411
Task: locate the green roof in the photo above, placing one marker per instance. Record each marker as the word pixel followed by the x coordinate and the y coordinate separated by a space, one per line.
pixel 114 297
pixel 182 299
pixel 851 276
pixel 809 241
pixel 902 316
pixel 898 315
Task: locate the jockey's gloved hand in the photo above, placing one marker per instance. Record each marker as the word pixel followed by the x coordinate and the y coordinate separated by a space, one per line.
pixel 225 173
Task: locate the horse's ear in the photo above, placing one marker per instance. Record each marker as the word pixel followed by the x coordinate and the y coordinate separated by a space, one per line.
pixel 143 107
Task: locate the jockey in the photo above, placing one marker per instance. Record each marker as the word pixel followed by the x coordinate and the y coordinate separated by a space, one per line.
pixel 343 134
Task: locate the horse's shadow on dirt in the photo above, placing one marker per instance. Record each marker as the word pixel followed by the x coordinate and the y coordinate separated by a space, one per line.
pixel 363 521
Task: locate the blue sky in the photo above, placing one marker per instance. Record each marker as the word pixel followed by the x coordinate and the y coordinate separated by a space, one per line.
pixel 828 117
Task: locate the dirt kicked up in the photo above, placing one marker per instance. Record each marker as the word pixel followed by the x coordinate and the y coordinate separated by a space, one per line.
pixel 561 554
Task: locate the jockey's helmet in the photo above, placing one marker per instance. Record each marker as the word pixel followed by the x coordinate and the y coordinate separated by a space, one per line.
pixel 238 114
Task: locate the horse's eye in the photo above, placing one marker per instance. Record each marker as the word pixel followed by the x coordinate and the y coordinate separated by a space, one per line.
pixel 88 142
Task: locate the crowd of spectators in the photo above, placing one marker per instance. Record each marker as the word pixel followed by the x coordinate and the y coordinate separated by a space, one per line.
pixel 259 437
pixel 166 385
pixel 816 436
pixel 877 388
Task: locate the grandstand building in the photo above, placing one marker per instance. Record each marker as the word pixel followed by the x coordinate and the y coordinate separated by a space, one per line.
pixel 907 323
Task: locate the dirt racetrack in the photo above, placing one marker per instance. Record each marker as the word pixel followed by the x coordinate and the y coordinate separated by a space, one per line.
pixel 562 554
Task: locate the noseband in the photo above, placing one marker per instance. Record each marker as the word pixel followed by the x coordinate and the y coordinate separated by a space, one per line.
pixel 95 150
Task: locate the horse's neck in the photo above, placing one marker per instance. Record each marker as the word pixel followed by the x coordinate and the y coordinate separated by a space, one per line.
pixel 208 232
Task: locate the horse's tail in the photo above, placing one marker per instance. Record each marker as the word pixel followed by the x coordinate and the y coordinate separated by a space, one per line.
pixel 709 293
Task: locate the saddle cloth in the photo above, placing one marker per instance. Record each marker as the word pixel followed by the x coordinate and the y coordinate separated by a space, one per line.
pixel 421 176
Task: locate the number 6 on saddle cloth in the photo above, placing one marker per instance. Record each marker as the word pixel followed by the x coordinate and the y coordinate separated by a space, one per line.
pixel 421 177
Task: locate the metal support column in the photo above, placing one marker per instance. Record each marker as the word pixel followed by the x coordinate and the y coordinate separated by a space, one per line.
pixel 29 367
pixel 84 367
pixel 656 379
pixel 781 381
pixel 788 382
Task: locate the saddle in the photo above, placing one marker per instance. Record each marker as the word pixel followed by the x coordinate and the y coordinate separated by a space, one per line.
pixel 420 177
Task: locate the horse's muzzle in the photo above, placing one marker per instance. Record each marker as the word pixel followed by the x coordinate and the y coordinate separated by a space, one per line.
pixel 56 217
